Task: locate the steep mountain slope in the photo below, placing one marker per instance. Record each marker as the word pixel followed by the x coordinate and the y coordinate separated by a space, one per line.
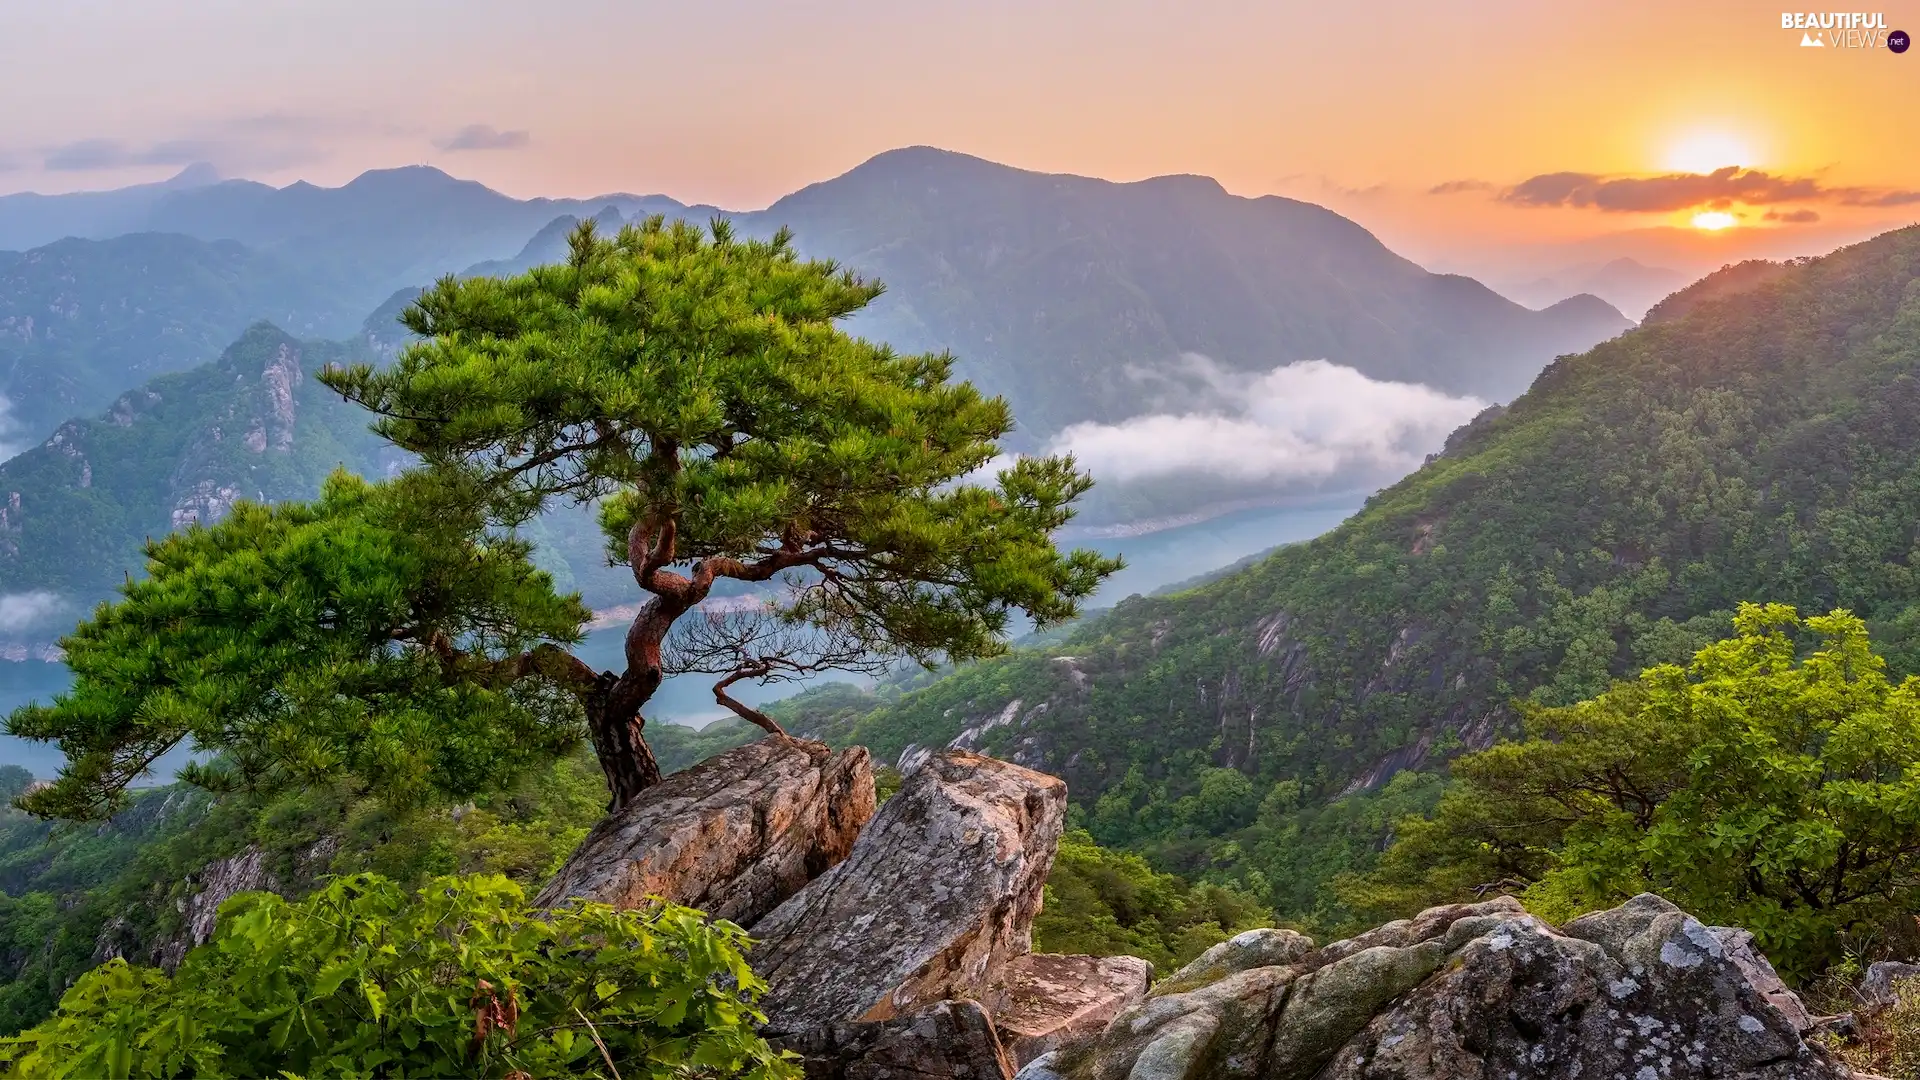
pixel 181 448
pixel 82 320
pixel 1051 288
pixel 1763 446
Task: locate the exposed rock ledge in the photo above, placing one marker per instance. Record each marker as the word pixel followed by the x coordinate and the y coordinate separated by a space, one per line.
pixel 1474 992
pixel 937 895
pixel 911 957
pixel 733 836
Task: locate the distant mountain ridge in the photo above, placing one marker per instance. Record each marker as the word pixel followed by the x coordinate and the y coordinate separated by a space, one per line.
pixel 383 230
pixel 83 320
pixel 1049 288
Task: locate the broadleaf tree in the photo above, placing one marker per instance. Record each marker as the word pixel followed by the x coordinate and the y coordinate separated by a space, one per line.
pixel 699 389
pixel 1770 784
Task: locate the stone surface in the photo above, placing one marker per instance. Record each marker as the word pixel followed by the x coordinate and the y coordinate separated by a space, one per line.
pixel 1759 973
pixel 946 1040
pixel 1042 1001
pixel 733 836
pixel 937 895
pixel 1251 949
pixel 1876 991
pixel 1477 992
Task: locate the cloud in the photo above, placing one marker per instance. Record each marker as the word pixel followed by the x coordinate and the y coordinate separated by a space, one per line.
pixel 1792 217
pixel 483 137
pixel 1867 197
pixel 88 155
pixel 1674 191
pixel 1717 190
pixel 21 612
pixel 1303 423
pixel 1456 187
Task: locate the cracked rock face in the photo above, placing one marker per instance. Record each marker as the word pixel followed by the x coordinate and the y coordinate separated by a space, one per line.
pixel 938 894
pixel 733 836
pixel 1476 992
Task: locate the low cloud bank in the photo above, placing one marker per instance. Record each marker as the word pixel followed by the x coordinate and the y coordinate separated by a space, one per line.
pixel 1297 426
pixel 23 612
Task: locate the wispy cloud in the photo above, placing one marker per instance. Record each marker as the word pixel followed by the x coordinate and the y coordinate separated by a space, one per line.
pixel 1801 216
pixel 1716 190
pixel 483 137
pixel 1457 187
pixel 1674 191
pixel 1859 197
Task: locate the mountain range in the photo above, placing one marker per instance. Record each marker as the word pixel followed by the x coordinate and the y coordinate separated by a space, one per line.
pixel 1057 291
pixel 1072 296
pixel 1060 291
pixel 1758 440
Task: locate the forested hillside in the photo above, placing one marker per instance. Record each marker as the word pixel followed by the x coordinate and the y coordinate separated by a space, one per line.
pixel 1765 446
pixel 181 448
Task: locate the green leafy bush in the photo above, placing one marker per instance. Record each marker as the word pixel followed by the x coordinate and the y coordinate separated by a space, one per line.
pixel 460 978
pixel 1756 787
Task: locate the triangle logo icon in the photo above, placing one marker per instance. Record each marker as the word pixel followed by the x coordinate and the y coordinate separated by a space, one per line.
pixel 1808 41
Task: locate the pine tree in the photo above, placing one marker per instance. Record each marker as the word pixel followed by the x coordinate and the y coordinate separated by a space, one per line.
pixel 695 386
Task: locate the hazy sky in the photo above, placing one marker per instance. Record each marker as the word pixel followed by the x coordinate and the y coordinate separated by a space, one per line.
pixel 1531 114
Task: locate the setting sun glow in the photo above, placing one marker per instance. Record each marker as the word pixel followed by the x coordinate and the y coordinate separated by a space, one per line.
pixel 1714 220
pixel 1705 151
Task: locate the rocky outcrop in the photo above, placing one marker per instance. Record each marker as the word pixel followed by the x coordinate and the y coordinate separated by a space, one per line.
pixel 1043 1001
pixel 733 836
pixel 937 895
pixel 947 1040
pixel 1881 987
pixel 1250 949
pixel 199 908
pixel 1472 992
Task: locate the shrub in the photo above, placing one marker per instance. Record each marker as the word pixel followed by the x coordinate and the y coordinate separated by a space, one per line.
pixel 457 979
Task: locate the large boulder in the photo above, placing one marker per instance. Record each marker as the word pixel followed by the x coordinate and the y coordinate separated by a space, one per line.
pixel 1474 992
pixel 937 895
pixel 1043 1001
pixel 733 836
pixel 946 1040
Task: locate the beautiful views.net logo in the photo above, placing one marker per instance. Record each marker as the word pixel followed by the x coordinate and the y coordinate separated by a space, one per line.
pixel 1843 30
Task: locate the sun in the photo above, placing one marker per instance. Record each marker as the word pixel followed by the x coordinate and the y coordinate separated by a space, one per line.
pixel 1705 151
pixel 1714 220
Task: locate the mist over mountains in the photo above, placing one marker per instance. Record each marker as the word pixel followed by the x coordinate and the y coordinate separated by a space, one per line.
pixel 1193 348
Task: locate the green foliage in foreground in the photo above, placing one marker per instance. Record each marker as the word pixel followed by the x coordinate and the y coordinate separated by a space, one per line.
pixel 1754 787
pixel 1109 903
pixel 457 979
pixel 69 889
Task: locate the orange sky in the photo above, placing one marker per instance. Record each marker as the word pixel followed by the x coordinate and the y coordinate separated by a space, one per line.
pixel 1362 106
